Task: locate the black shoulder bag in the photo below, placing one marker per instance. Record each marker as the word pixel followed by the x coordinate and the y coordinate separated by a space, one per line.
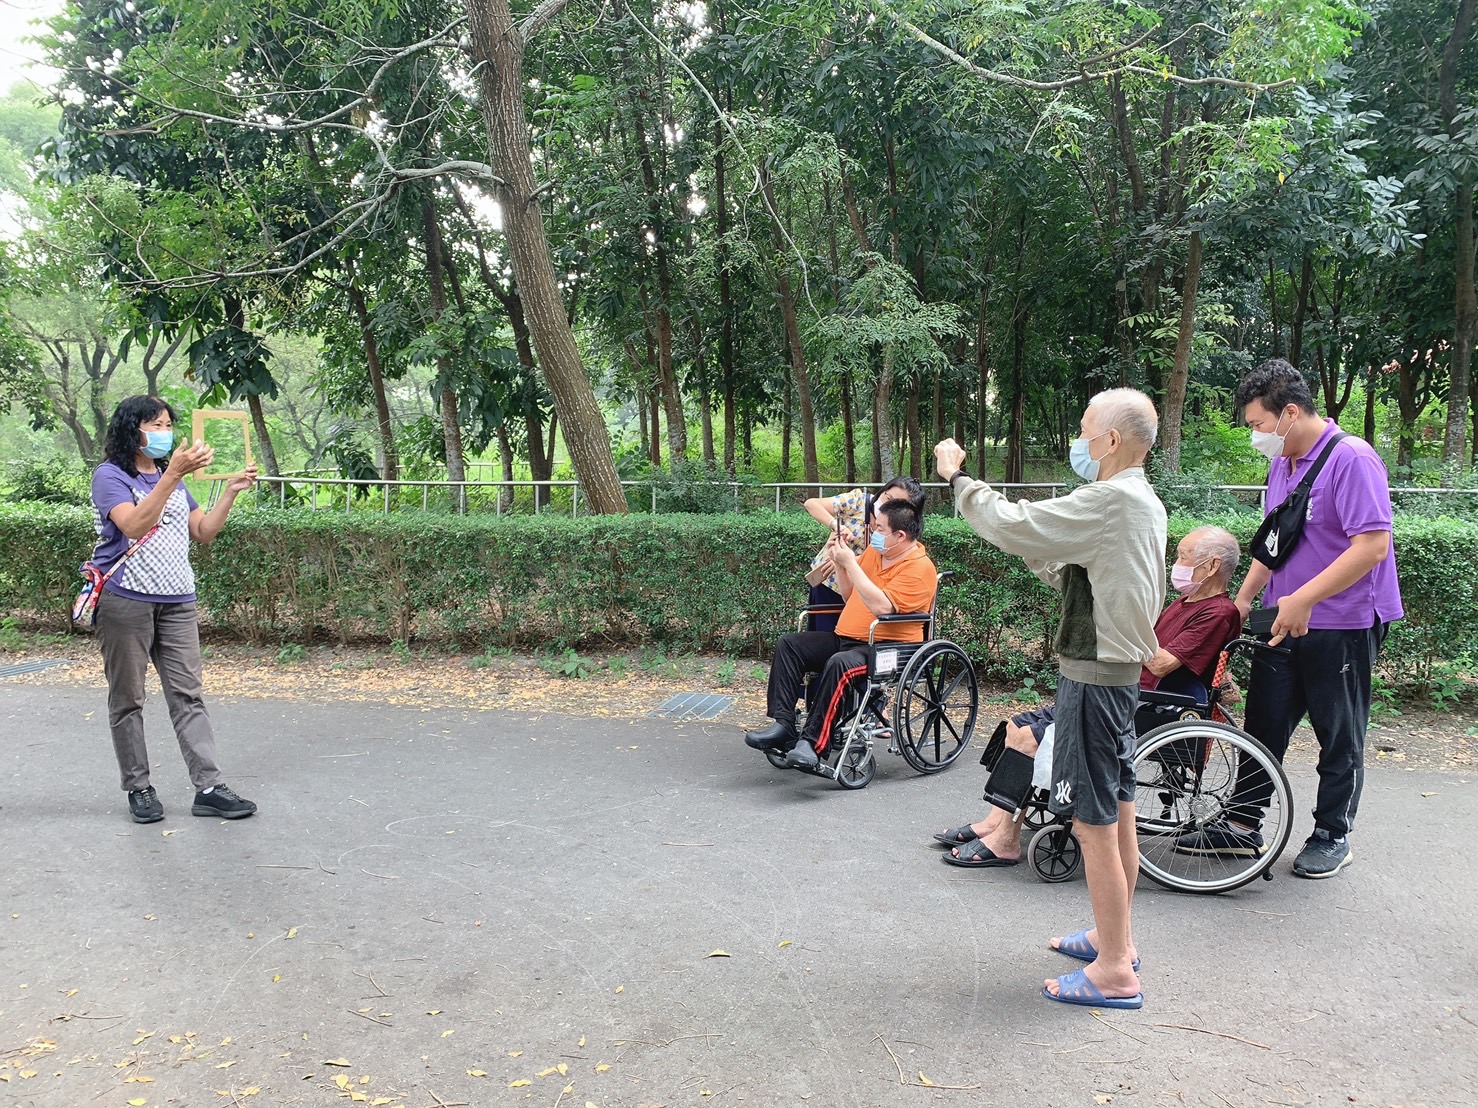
pixel 1284 525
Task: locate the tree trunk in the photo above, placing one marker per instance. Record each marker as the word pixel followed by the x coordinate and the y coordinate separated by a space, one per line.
pixel 389 459
pixel 1369 434
pixel 264 440
pixel 1016 434
pixel 725 298
pixel 982 374
pixel 1409 405
pixel 849 429
pixel 1173 412
pixel 785 426
pixel 505 457
pixel 1465 325
pixel 884 464
pixel 451 422
pixel 497 48
pixel 809 463
pixel 911 428
pixel 1301 312
pixel 654 436
pixel 705 397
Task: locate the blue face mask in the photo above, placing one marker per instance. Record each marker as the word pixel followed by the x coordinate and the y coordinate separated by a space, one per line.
pixel 160 443
pixel 877 542
pixel 1082 460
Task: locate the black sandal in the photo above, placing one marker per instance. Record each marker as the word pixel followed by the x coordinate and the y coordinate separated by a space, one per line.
pixel 976 855
pixel 956 836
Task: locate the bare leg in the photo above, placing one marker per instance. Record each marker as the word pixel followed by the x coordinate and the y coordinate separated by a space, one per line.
pixel 1109 888
pixel 1000 833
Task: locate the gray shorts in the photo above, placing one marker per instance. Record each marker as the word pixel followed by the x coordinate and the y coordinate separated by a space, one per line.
pixel 1093 759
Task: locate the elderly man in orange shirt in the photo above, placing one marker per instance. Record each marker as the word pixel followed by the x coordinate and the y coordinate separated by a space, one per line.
pixel 894 576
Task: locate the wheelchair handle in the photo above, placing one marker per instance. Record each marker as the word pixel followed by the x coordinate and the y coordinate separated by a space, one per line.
pixel 1250 645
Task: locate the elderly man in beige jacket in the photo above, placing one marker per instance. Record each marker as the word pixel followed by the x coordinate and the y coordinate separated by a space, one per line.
pixel 1102 545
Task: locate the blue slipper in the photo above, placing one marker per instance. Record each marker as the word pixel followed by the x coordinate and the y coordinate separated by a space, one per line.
pixel 1075 988
pixel 1077 946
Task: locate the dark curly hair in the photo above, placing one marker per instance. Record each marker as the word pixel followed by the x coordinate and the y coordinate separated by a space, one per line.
pixel 123 430
pixel 1275 384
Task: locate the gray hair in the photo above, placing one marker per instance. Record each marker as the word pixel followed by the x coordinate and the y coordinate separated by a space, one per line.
pixel 1130 412
pixel 1216 542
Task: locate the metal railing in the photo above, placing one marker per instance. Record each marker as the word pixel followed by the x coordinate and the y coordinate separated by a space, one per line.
pixel 354 491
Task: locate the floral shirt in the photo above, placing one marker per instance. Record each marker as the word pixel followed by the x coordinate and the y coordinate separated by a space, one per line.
pixel 851 509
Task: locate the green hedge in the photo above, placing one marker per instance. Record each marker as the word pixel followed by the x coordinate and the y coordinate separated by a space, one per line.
pixel 727 583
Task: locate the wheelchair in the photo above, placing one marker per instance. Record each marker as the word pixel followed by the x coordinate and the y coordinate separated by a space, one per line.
pixel 935 700
pixel 1191 766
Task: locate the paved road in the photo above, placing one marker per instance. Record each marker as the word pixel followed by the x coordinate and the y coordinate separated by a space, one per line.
pixel 530 893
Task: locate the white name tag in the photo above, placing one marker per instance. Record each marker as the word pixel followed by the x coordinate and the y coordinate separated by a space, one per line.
pixel 887 661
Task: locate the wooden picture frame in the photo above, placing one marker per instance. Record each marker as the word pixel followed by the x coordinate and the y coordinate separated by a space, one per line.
pixel 197 434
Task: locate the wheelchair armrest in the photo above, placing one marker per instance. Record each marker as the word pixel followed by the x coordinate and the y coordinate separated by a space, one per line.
pixel 803 621
pixel 911 617
pixel 1179 700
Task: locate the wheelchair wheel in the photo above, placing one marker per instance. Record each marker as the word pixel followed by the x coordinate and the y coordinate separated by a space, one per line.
pixel 855 768
pixel 938 699
pixel 1054 852
pixel 1188 775
pixel 777 758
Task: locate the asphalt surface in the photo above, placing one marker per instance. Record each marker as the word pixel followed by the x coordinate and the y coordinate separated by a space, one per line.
pixel 444 907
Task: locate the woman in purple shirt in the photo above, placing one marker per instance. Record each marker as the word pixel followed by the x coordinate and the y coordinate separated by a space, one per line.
pixel 147 610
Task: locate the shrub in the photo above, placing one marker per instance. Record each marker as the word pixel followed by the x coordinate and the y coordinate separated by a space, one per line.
pixel 726 584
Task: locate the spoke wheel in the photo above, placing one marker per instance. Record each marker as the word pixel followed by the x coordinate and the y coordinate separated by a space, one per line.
pixel 938 701
pixel 1055 853
pixel 1190 777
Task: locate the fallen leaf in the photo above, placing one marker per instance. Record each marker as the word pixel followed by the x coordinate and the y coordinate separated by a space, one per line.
pixel 292 932
pixel 137 1079
pixel 359 1098
pixel 924 1080
pixel 250 1090
pixel 705 1092
pixel 547 1073
pixel 364 1080
pixel 1429 794
pixel 581 1043
pixel 73 992
pixel 381 1100
pixel 173 831
pixel 785 943
pixel 515 1054
pixel 326 1061
pixel 26 1075
pixel 602 1068
pixel 717 954
pixel 342 1082
pixel 434 1012
pixel 449 1031
pixel 276 977
pixel 225 1065
pixel 136 1101
pixel 620 988
pixel 476 1073
pixel 1104 1098
pixel 520 1083
pixel 142 1036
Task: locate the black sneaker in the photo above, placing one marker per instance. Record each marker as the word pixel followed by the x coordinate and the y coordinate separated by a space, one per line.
pixel 1221 839
pixel 1322 857
pixel 145 806
pixel 221 801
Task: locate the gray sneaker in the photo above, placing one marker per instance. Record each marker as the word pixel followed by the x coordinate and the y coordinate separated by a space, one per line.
pixel 1322 857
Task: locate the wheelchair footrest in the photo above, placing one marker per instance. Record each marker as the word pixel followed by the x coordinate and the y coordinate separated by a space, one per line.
pixel 1010 783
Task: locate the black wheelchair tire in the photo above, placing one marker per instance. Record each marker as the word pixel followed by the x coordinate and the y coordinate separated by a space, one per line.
pixel 928 736
pixel 1055 853
pixel 1160 752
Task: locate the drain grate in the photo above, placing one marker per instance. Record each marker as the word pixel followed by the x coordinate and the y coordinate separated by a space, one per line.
pixel 31 667
pixel 693 705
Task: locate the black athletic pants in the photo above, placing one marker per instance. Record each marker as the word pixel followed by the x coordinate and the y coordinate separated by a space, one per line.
pixel 1326 674
pixel 836 659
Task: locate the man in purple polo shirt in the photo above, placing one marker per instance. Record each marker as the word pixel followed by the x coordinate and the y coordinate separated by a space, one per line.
pixel 1336 595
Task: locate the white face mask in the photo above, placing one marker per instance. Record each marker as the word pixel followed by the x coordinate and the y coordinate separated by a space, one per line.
pixel 1270 444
